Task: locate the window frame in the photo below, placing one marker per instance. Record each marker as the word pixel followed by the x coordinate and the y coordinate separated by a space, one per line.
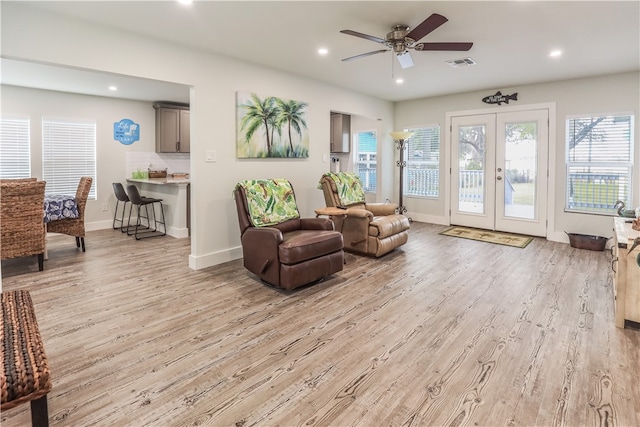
pixel 370 160
pixel 62 171
pixel 627 165
pixel 19 147
pixel 437 130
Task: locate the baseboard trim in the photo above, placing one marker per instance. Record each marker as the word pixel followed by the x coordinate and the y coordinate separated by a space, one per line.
pixel 215 258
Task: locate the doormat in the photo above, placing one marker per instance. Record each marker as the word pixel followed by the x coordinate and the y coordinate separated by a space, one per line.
pixel 499 238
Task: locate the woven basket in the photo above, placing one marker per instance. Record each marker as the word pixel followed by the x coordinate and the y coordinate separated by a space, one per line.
pixel 157 174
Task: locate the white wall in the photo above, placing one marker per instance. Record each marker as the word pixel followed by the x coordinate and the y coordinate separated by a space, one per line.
pixel 606 94
pixel 30 34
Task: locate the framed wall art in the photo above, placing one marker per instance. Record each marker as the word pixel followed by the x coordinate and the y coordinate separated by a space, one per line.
pixel 270 127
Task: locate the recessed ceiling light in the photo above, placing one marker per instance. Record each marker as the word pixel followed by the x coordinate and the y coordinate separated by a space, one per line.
pixel 323 51
pixel 399 80
pixel 187 2
pixel 113 88
pixel 555 53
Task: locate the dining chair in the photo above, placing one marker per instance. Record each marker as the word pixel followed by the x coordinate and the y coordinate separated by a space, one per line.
pixel 140 231
pixel 121 196
pixel 75 226
pixel 21 219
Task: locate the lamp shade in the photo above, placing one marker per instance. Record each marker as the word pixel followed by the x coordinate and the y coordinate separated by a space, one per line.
pixel 400 135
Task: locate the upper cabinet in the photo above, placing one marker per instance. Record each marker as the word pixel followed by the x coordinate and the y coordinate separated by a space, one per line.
pixel 172 128
pixel 340 133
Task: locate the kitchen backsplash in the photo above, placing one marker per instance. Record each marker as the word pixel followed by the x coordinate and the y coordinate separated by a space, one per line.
pixel 174 163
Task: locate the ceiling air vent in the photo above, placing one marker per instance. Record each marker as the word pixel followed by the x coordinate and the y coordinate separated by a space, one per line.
pixel 461 62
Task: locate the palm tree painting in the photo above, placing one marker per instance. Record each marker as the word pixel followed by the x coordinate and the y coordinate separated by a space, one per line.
pixel 271 127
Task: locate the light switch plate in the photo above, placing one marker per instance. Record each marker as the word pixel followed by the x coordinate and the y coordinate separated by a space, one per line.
pixel 211 156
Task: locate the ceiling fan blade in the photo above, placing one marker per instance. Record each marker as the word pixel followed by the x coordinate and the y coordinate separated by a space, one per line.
pixel 362 55
pixel 428 25
pixel 405 60
pixel 444 46
pixel 363 36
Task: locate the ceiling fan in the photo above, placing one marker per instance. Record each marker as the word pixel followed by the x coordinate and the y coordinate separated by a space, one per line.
pixel 400 40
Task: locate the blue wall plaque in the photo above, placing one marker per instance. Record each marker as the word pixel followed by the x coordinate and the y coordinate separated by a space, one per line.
pixel 126 131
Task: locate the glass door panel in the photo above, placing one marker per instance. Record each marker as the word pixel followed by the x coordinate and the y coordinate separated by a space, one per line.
pixel 520 169
pixel 471 167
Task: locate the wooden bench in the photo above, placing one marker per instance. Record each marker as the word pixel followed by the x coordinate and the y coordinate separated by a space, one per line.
pixel 25 369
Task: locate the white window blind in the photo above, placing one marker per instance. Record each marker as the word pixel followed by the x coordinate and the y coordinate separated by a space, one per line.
pixel 365 159
pixel 422 154
pixel 599 162
pixel 15 158
pixel 68 153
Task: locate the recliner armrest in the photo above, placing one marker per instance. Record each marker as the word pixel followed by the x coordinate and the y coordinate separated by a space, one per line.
pixel 382 209
pixel 316 224
pixel 262 236
pixel 359 213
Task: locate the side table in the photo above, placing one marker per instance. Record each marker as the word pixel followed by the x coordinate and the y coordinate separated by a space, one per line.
pixel 332 212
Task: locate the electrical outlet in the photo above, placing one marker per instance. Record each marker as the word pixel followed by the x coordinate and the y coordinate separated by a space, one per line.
pixel 105 207
pixel 211 155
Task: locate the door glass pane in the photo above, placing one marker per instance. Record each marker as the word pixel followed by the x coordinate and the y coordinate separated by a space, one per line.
pixel 521 146
pixel 471 166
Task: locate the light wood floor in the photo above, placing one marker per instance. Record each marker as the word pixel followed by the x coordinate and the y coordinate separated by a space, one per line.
pixel 443 331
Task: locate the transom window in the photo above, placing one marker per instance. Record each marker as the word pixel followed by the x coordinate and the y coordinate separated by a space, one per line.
pixel 599 162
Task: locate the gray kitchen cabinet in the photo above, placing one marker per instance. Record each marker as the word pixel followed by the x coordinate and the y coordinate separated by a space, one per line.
pixel 172 128
pixel 340 133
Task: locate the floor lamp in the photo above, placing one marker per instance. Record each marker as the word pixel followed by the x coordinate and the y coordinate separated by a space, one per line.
pixel 400 139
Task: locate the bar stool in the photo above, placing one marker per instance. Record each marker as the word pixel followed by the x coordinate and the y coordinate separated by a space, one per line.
pixel 139 202
pixel 121 196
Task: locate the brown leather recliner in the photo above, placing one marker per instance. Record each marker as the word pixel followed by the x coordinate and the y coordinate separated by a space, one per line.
pixel 367 228
pixel 291 253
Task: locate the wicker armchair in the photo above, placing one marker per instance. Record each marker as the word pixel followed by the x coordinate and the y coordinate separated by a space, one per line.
pixel 74 226
pixel 21 219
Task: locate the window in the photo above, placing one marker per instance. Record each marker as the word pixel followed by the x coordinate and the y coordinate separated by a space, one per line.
pixel 15 148
pixel 599 161
pixel 366 147
pixel 422 170
pixel 68 153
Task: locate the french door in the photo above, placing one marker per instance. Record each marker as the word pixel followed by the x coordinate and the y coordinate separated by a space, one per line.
pixel 499 171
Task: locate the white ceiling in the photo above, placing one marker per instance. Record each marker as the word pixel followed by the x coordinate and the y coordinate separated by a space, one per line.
pixel 512 41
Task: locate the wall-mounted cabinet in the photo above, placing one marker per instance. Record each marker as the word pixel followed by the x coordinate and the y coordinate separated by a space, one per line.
pixel 340 133
pixel 173 133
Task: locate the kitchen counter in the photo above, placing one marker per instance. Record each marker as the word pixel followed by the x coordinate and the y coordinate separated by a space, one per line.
pixel 174 193
pixel 160 181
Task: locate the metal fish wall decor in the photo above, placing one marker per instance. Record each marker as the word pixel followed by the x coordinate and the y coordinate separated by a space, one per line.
pixel 499 98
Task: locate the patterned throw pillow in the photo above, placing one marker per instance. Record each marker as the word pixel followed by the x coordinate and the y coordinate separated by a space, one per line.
pixel 270 201
pixel 349 187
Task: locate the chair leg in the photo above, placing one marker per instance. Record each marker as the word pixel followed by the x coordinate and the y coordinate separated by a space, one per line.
pixel 163 222
pixel 77 242
pixel 39 412
pixel 126 230
pixel 149 231
pixel 115 215
pixel 124 208
pixel 40 262
pixel 82 244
